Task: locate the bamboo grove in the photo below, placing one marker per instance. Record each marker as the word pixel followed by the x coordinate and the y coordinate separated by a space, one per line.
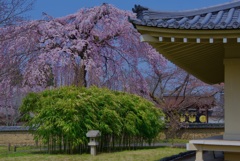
pixel 61 117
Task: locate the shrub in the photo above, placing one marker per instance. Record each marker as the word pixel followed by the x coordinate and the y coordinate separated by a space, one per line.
pixel 63 116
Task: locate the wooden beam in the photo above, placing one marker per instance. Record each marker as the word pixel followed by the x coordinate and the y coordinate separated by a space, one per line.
pixel 224 40
pixel 160 39
pixel 185 40
pixel 180 33
pixel 210 40
pixel 198 40
pixel 148 38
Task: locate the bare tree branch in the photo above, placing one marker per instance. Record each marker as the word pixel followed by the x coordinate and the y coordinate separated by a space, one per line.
pixel 12 11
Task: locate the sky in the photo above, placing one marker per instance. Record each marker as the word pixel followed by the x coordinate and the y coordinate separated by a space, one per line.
pixel 60 8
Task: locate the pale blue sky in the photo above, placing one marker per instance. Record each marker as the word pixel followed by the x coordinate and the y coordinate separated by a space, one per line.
pixel 59 8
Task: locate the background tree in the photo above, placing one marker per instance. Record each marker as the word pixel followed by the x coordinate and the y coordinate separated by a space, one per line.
pixel 175 91
pixel 12 17
pixel 98 44
pixel 12 11
pixel 95 46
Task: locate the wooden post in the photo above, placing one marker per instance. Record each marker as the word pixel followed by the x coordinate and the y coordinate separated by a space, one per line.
pixel 9 146
pixel 199 155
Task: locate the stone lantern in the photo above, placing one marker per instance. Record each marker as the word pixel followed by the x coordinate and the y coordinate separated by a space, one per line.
pixel 93 134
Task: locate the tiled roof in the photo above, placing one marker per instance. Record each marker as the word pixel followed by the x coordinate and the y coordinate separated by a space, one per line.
pixel 206 125
pixel 225 16
pixel 202 126
pixel 13 128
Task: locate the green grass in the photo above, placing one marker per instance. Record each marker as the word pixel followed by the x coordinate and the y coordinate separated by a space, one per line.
pixel 134 155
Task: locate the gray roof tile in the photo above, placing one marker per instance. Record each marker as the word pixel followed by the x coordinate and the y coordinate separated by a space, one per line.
pixel 225 16
pixel 13 128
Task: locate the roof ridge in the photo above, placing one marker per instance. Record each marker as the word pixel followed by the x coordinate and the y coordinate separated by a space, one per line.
pixel 186 13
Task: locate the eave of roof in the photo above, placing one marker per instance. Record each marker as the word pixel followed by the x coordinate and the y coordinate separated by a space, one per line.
pixel 225 16
pixel 199 50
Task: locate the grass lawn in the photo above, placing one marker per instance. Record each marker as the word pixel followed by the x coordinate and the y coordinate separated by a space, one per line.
pixel 134 155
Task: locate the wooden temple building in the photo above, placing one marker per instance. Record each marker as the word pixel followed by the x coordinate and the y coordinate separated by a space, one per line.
pixel 206 43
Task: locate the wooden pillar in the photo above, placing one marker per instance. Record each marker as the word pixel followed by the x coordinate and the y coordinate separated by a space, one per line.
pixel 199 155
pixel 232 92
pixel 232 97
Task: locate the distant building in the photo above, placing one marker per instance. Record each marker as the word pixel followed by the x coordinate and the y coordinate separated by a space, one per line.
pixel 196 109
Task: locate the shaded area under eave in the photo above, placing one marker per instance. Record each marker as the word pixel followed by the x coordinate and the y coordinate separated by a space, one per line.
pixel 203 60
